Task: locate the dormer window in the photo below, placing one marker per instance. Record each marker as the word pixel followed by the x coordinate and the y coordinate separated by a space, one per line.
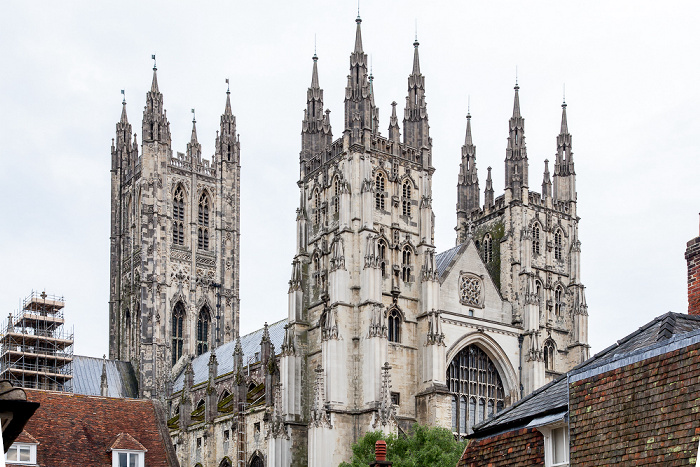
pixel 21 453
pixel 128 459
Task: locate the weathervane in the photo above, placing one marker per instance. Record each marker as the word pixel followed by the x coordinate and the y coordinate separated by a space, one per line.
pixel 228 88
pixel 154 61
pixel 123 97
pixel 193 117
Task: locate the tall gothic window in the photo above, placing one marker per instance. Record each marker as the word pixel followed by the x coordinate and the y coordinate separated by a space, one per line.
pixel 558 301
pixel 535 238
pixel 203 322
pixel 317 206
pixel 381 250
pixel 336 194
pixel 179 217
pixel 379 186
pixel 406 203
pixel 177 324
pixel 476 386
pixel 394 319
pixel 549 355
pixel 488 248
pixel 557 244
pixel 203 221
pixel 406 264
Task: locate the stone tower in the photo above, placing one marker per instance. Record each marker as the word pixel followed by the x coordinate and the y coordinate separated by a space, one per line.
pixel 529 243
pixel 364 258
pixel 174 245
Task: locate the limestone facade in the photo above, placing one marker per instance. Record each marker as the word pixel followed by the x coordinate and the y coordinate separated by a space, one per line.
pixel 174 245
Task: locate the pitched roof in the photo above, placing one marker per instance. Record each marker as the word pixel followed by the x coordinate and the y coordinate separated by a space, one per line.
pixel 125 441
pixel 74 429
pixel 445 260
pixel 224 354
pixel 554 397
pixel 26 438
pixel 87 377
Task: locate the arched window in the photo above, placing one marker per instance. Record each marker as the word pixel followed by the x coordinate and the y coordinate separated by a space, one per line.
pixel 473 379
pixel 488 248
pixel 558 301
pixel 539 292
pixel 535 238
pixel 557 244
pixel 257 461
pixel 336 195
pixel 406 202
pixel 203 221
pixel 394 326
pixel 549 355
pixel 379 192
pixel 127 330
pixel 406 265
pixel 179 216
pixel 178 319
pixel 381 250
pixel 203 321
pixel 317 206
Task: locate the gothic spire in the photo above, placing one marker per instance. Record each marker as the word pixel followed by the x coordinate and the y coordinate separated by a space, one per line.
pixel 488 191
pixel 415 121
pixel 155 126
pixel 194 149
pixel 227 144
pixel 316 132
pixel 516 152
pixel 546 182
pixel 123 118
pixel 564 171
pixel 564 126
pixel 468 194
pixel 358 36
pixel 394 130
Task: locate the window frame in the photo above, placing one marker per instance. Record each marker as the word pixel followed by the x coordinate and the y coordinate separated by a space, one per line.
pixel 140 457
pixel 178 331
pixel 394 320
pixel 380 188
pixel 203 330
pixel 17 447
pixel 179 216
pixel 549 432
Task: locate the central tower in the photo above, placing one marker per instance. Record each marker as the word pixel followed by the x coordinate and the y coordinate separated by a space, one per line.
pixel 364 238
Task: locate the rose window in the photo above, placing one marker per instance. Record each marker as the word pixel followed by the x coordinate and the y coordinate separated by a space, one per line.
pixel 470 290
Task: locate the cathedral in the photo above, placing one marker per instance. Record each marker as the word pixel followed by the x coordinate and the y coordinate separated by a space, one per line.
pixel 382 331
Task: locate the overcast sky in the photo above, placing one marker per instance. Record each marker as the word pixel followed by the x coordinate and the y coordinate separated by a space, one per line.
pixel 631 72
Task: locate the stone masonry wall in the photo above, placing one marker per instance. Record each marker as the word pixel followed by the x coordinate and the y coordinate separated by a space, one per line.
pixel 645 413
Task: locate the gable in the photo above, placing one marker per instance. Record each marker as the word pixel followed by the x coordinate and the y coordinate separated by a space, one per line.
pixel 466 287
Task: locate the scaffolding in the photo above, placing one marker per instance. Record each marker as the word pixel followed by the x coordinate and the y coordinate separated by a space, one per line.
pixel 36 351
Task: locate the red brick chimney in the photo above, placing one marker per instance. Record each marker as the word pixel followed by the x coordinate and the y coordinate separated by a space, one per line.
pixel 380 455
pixel 692 256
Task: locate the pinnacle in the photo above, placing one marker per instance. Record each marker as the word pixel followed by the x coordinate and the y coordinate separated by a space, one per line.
pixel 358 36
pixel 314 75
pixel 123 119
pixel 564 126
pixel 154 83
pixel 468 137
pixel 416 61
pixel 516 103
pixel 193 140
pixel 228 111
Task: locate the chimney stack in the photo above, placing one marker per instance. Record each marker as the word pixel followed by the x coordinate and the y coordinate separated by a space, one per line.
pixel 692 256
pixel 380 454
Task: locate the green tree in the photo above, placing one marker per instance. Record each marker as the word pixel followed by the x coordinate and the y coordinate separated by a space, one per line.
pixel 425 446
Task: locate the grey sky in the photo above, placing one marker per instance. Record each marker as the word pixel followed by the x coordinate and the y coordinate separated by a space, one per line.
pixel 631 74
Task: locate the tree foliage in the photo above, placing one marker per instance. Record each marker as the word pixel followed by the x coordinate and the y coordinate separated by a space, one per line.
pixel 425 446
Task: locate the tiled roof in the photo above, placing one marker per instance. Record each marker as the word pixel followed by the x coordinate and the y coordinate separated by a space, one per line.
pixel 87 377
pixel 224 354
pixel 127 442
pixel 554 396
pixel 444 260
pixel 26 438
pixel 74 429
pixel 521 447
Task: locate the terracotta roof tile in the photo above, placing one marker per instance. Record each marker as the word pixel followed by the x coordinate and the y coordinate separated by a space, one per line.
pixel 74 429
pixel 26 438
pixel 125 441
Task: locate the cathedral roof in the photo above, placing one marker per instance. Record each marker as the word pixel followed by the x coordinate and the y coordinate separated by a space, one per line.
pixel 444 260
pixel 655 337
pixel 224 354
pixel 87 373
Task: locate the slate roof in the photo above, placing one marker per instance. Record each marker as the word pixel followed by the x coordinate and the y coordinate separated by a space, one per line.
pixel 224 354
pixel 554 397
pixel 74 429
pixel 87 377
pixel 444 260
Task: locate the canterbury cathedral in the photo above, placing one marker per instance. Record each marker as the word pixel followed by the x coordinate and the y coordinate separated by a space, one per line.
pixel 382 331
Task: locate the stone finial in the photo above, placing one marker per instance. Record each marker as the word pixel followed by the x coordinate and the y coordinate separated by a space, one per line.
pixel 104 387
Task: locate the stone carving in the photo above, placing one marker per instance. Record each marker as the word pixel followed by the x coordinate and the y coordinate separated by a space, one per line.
pixel 319 410
pixel 387 411
pixel 377 326
pixel 470 290
pixel 337 254
pixel 435 334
